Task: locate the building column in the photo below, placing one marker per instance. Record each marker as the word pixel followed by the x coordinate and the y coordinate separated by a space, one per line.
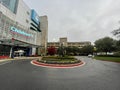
pixel 11 52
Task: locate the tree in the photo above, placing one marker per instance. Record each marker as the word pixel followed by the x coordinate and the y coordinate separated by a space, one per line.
pixel 105 44
pixel 116 32
pixel 72 50
pixel 118 45
pixel 51 50
pixel 68 50
pixel 61 51
pixel 87 49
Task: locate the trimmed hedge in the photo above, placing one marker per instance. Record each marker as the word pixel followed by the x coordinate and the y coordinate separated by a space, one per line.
pixel 57 57
pixel 117 54
pixel 59 60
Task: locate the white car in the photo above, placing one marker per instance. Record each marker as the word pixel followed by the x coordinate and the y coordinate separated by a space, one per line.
pixel 90 55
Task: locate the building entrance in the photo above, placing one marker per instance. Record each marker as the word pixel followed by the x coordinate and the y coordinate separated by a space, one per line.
pixel 22 51
pixel 14 48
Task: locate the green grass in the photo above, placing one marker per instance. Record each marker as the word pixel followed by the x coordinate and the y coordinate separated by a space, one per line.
pixel 113 59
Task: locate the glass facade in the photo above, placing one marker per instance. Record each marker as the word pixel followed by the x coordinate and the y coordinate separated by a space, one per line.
pixel 10 4
pixel 35 24
pixel 24 35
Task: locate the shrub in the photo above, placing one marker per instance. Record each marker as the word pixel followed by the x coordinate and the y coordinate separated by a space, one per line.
pixel 58 57
pixel 59 60
pixel 52 50
pixel 117 54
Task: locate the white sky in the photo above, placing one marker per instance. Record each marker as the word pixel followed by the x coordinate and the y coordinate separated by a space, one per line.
pixel 78 20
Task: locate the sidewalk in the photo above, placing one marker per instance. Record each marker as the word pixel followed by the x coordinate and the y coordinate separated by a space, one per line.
pixel 20 58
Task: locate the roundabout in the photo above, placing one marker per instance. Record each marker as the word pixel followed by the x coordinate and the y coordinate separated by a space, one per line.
pixel 36 63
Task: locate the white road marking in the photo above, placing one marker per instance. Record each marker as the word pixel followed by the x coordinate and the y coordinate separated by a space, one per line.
pixel 59 67
pixel 4 62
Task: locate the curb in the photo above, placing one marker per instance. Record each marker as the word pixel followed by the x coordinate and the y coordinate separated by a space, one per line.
pixel 34 62
pixel 25 58
pixel 107 61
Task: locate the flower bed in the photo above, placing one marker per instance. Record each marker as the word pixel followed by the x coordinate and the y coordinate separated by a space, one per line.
pixel 59 60
pixel 57 65
pixel 4 57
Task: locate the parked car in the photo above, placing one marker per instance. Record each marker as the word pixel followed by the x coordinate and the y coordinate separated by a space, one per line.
pixel 90 55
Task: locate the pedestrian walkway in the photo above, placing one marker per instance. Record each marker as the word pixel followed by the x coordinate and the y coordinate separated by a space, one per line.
pixel 20 58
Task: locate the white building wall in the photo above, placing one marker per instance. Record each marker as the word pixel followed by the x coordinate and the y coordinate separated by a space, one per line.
pixel 39 37
pixel 33 51
pixel 44 34
pixel 44 29
pixel 23 18
pixel 23 14
pixel 7 12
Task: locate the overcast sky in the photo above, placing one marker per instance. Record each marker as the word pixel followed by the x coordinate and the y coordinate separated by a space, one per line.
pixel 78 20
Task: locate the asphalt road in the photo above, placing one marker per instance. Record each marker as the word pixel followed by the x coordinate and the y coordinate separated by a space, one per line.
pixel 94 75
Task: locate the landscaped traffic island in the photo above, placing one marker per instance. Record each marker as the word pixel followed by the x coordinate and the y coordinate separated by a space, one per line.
pixel 58 62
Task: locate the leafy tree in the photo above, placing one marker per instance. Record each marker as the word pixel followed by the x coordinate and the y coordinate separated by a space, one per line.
pixel 72 50
pixel 116 33
pixel 105 44
pixel 68 50
pixel 87 49
pixel 118 45
pixel 61 51
pixel 51 50
pixel 75 50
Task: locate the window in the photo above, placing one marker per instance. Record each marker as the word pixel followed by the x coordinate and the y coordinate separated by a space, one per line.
pixel 27 21
pixel 28 13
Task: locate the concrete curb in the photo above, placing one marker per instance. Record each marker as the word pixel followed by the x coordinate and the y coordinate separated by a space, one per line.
pixel 19 58
pixel 34 62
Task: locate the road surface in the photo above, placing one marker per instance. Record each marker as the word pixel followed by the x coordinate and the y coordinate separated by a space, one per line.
pixel 94 75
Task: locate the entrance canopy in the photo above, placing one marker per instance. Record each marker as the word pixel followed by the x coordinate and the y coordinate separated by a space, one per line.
pixel 15 42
